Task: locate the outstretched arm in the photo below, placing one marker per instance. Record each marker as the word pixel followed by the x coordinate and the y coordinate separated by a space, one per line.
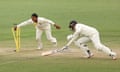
pixel 52 23
pixel 23 24
pixel 74 37
pixel 47 53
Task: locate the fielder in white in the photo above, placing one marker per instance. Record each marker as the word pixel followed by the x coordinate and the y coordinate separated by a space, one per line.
pixel 86 34
pixel 41 24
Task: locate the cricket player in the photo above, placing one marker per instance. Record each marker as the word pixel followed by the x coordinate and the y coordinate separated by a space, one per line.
pixel 42 25
pixel 86 34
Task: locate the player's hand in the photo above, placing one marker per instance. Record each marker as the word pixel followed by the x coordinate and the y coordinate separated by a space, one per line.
pixel 57 27
pixel 15 28
pixel 65 47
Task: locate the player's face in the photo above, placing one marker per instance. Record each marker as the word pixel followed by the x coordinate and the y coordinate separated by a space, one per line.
pixel 72 27
pixel 34 19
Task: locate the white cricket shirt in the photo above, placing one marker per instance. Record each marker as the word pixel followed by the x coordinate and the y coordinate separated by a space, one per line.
pixel 84 30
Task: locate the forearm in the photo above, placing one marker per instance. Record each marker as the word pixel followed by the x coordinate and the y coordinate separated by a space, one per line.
pixel 20 25
pixel 72 40
pixel 24 23
pixel 49 21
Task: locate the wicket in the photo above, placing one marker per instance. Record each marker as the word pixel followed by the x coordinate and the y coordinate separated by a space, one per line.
pixel 16 35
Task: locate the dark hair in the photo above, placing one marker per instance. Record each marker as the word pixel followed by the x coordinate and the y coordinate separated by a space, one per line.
pixel 72 23
pixel 34 14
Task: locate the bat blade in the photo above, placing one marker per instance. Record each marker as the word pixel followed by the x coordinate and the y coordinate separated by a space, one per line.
pixel 47 53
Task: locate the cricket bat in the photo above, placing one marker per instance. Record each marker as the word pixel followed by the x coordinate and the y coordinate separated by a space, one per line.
pixel 47 53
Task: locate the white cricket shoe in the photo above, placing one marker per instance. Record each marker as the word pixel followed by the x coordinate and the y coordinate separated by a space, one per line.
pixel 89 56
pixel 113 55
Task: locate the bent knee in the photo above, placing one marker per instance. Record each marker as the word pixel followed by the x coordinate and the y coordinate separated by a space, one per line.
pixel 79 44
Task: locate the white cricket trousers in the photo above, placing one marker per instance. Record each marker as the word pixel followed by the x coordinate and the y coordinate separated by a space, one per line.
pixel 48 35
pixel 95 38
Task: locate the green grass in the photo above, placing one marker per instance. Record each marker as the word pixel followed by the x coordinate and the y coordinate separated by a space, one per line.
pixel 102 14
pixel 58 64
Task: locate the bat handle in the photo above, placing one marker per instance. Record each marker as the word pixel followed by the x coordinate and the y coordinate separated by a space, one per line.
pixel 61 50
